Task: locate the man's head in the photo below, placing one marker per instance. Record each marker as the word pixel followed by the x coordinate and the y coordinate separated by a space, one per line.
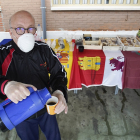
pixel 18 22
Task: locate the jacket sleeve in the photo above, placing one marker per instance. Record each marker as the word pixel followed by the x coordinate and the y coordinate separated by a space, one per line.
pixel 3 79
pixel 58 75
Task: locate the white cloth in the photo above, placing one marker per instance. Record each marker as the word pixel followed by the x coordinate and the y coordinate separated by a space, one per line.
pixel 113 68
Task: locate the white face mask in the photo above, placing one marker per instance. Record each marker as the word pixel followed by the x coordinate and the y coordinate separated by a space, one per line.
pixel 26 42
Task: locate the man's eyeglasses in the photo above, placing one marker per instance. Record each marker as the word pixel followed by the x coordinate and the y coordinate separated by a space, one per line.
pixel 21 30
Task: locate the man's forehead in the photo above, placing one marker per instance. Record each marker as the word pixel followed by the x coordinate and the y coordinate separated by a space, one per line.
pixel 22 18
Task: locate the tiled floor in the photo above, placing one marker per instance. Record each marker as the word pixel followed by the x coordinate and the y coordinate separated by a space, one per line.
pixel 96 113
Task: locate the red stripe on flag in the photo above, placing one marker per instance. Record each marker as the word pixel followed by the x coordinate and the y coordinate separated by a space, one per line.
pixel 75 79
pixel 7 62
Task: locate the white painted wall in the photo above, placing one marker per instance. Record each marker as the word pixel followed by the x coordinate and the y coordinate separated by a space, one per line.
pixel 57 34
pixel 4 35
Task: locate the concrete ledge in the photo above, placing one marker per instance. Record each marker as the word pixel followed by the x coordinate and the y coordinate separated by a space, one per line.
pixel 57 34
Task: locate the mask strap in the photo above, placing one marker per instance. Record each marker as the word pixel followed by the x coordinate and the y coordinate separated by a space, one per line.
pixel 14 36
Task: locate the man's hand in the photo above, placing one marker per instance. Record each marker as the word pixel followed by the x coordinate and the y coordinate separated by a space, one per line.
pixel 62 105
pixel 17 91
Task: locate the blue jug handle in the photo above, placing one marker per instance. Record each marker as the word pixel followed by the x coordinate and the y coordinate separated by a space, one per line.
pixel 30 89
pixel 8 100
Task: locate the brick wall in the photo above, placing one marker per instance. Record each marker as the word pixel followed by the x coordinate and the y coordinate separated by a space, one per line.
pixel 1 21
pixel 73 20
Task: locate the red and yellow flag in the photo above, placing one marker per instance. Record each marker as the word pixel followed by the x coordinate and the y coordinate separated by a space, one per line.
pixel 87 68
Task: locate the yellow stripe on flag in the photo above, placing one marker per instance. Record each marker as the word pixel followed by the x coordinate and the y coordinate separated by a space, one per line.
pixel 65 56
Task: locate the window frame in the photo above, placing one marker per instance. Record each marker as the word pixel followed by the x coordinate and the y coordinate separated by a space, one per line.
pixel 95 6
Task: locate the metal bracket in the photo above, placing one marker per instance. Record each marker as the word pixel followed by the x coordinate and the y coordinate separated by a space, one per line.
pixel 116 90
pixel 75 91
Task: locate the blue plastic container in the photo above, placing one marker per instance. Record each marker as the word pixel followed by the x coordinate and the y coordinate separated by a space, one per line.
pixel 12 114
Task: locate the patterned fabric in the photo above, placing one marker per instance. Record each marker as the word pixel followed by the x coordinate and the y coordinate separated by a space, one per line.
pixel 113 68
pixel 131 75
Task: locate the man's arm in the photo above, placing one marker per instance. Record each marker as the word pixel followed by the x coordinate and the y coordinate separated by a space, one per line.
pixel 58 75
pixel 3 81
pixel 58 82
pixel 17 91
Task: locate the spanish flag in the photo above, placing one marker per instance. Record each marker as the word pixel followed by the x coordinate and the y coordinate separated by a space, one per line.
pixel 65 56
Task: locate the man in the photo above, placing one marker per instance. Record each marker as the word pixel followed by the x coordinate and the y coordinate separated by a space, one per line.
pixel 25 63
